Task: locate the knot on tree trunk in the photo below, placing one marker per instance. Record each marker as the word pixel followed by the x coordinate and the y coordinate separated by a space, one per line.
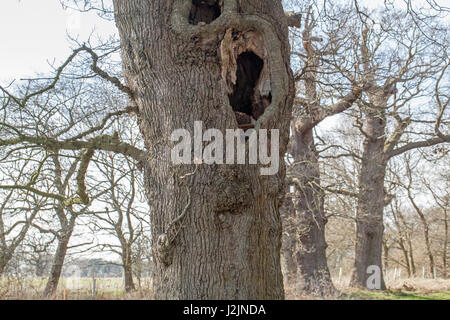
pixel 233 191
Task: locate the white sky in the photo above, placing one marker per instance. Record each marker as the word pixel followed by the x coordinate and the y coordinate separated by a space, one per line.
pixel 34 33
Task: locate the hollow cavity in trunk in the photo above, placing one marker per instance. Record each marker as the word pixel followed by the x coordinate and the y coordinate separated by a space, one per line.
pixel 246 104
pixel 204 11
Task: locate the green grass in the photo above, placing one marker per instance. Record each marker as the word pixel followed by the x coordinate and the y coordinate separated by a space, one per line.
pixel 400 295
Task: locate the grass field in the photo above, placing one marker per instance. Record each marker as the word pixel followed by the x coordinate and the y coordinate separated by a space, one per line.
pixel 112 289
pixel 400 295
pixel 409 289
pixel 73 289
pixel 403 289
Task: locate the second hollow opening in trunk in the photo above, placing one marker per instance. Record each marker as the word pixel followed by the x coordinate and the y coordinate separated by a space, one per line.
pixel 205 11
pixel 246 103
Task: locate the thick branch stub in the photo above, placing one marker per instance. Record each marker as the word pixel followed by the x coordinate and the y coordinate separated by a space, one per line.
pixel 204 11
pixel 294 20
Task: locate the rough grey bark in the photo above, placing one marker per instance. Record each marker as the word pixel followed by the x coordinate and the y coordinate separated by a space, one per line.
pixel 63 235
pixel 127 265
pixel 372 197
pixel 57 264
pixel 309 255
pixel 216 229
pixel 4 259
pixel 304 220
pixel 369 215
pixel 383 80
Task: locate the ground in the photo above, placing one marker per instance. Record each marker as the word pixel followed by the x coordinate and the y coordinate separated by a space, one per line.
pixel 112 288
pixel 400 295
pixel 403 289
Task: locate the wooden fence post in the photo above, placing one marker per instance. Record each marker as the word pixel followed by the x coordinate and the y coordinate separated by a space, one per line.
pixel 340 275
pixel 93 283
pixel 93 288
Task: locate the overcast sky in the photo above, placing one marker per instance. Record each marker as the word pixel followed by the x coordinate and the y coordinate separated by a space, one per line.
pixel 34 33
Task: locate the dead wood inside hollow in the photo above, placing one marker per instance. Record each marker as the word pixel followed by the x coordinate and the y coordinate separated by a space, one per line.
pixel 246 70
pixel 242 99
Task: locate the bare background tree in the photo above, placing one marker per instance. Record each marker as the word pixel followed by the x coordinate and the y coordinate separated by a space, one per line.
pixel 126 215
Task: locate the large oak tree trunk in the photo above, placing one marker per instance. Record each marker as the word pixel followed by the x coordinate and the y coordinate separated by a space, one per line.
pixel 128 278
pixel 4 260
pixel 306 219
pixel 57 265
pixel 128 270
pixel 371 199
pixel 178 63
